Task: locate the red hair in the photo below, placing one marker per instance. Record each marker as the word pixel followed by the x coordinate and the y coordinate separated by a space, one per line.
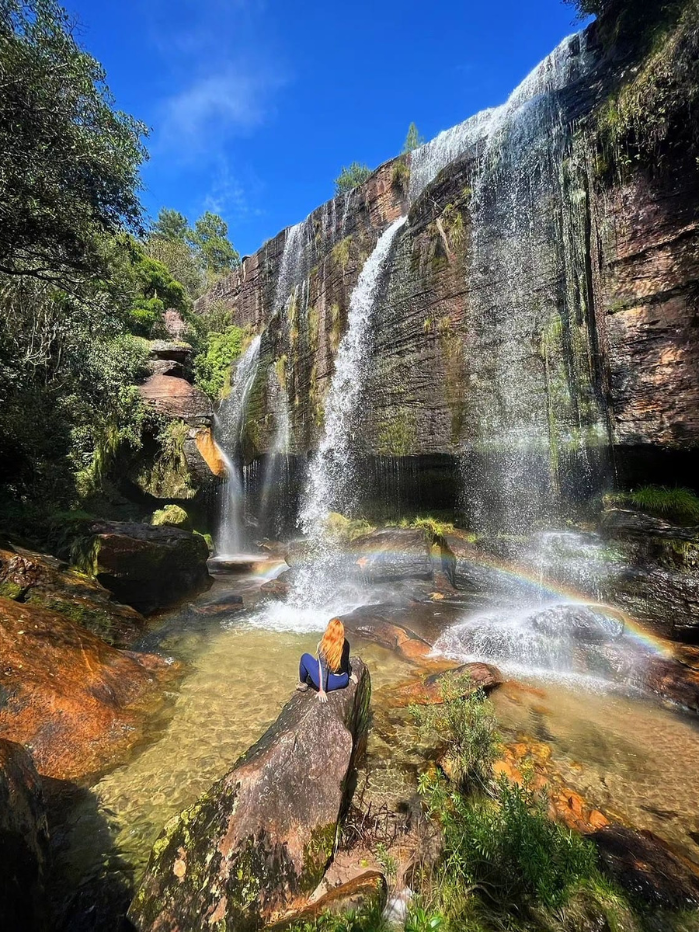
pixel 332 643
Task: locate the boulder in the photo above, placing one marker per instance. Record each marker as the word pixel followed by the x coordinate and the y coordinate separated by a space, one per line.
pixel 175 350
pixel 144 566
pixel 367 622
pixel 428 691
pixel 170 516
pixel 175 397
pixel 43 580
pixel 579 623
pixel 257 844
pixel 24 842
pixel 74 701
pixel 393 554
pixel 646 868
pixel 222 605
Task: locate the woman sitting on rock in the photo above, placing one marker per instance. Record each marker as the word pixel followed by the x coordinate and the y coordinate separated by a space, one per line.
pixel 331 669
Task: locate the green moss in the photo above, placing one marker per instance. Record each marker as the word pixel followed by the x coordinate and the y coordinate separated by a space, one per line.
pixel 344 529
pixel 316 855
pixel 313 327
pixel 11 590
pixel 170 516
pixel 341 252
pixel 96 620
pixel 280 369
pixel 678 504
pixel 397 436
pixel 208 540
pixel 400 177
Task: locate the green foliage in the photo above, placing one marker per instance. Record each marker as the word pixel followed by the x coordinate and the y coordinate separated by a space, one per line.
pixel 181 261
pixel 351 175
pixel 171 225
pixel 679 504
pixel 401 175
pixel 413 140
pixel 170 516
pixel 367 919
pixel 210 238
pixel 69 160
pixel 422 920
pixel 465 723
pixel 345 530
pixel 213 365
pixel 436 528
pixel 155 290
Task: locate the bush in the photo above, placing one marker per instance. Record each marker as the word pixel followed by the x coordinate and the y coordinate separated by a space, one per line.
pixel 213 365
pixel 465 722
pixel 351 176
pixel 680 504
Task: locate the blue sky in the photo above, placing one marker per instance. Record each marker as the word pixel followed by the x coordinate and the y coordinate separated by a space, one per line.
pixel 254 105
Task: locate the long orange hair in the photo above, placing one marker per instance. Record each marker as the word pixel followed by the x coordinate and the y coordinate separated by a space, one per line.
pixel 332 643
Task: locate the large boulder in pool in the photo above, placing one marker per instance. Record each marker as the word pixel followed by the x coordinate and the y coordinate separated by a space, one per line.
pixel 144 566
pixel 391 554
pixel 75 702
pixel 23 842
pixel 45 581
pixel 257 844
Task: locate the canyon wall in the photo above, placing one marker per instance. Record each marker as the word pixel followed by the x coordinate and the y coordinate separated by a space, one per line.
pixel 536 298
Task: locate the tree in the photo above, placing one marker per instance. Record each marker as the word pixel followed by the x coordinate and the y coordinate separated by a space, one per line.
pixel 171 225
pixel 351 175
pixel 69 161
pixel 210 238
pixel 413 140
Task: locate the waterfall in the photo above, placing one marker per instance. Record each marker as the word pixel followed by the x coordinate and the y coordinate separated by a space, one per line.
pixel 276 474
pixel 230 426
pixel 534 395
pixel 330 475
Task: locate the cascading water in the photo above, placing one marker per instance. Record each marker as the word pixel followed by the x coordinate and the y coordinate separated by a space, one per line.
pixel 276 474
pixel 331 472
pixel 230 425
pixel 331 477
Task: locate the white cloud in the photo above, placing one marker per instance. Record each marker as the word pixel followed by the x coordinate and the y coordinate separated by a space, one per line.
pixel 232 101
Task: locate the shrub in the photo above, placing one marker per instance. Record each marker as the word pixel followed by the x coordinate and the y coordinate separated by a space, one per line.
pixel 351 175
pixel 678 504
pixel 212 366
pixel 401 174
pixel 465 722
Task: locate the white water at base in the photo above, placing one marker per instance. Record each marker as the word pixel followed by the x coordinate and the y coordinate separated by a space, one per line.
pixel 230 424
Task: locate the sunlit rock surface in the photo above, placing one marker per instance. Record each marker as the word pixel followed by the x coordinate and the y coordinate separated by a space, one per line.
pixel 75 702
pixel 258 842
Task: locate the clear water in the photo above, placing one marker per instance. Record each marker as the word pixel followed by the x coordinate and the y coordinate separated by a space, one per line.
pixel 634 759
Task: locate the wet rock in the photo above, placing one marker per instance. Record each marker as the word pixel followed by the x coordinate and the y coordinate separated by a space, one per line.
pixel 276 588
pixel 579 622
pixel 393 554
pixel 24 842
pixel 645 867
pixel 75 702
pixel 257 844
pixel 366 891
pixel 428 691
pixel 369 622
pixel 44 581
pixel 146 567
pixel 223 605
pixel 659 583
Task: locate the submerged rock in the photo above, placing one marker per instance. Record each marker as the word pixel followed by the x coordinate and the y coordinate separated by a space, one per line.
pixel 258 843
pixel 146 567
pixel 369 622
pixel 644 866
pixel 43 580
pixel 76 702
pixel 428 691
pixel 24 842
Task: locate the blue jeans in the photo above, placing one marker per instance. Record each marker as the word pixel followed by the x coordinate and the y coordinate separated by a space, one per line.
pixel 309 669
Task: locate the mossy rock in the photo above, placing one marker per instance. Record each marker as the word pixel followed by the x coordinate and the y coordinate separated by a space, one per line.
pixel 260 839
pixel 171 516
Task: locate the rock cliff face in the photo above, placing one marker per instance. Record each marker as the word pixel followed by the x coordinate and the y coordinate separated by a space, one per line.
pixel 539 298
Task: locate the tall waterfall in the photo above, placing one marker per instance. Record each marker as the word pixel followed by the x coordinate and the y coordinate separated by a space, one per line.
pixel 330 479
pixel 230 425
